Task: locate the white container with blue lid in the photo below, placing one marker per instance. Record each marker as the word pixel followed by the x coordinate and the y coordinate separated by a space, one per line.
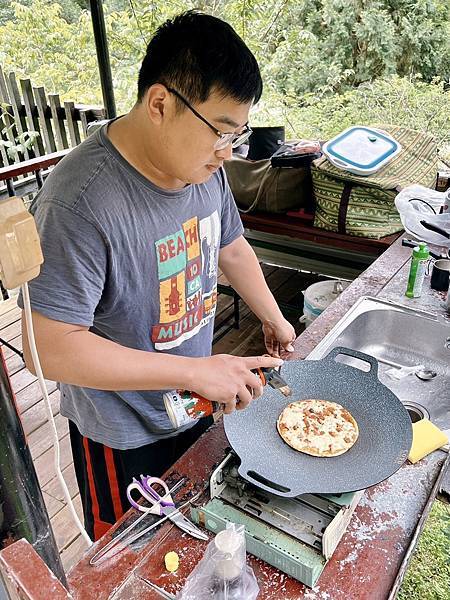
pixel 361 150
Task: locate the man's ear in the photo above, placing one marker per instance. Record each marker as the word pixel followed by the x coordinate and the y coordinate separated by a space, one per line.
pixel 158 102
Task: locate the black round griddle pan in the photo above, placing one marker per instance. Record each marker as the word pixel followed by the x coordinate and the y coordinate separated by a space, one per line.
pixel 385 431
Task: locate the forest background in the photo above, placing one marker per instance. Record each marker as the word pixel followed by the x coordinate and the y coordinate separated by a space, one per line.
pixel 326 64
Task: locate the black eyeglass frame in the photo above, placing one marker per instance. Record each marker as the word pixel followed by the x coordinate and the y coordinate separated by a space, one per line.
pixel 235 139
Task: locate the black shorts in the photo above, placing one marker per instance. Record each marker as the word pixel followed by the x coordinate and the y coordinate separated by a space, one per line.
pixel 104 473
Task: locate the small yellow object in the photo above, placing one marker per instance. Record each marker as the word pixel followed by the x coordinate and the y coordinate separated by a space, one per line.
pixel 426 438
pixel 171 561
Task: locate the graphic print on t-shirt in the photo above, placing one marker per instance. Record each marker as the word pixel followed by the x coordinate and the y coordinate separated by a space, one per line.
pixel 187 273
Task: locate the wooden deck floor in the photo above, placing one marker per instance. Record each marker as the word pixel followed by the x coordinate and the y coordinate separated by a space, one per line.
pixel 245 341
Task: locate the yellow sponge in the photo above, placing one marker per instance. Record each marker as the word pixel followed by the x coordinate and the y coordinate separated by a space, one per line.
pixel 171 561
pixel 426 438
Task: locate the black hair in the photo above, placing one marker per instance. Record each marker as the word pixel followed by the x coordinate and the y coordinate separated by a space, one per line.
pixel 195 53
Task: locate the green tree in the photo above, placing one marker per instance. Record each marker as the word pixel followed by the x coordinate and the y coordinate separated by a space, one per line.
pixel 70 9
pixel 40 44
pixel 337 44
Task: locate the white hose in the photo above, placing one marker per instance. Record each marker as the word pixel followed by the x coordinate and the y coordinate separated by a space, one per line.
pixel 37 366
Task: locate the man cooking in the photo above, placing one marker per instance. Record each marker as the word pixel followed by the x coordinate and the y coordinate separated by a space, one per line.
pixel 134 224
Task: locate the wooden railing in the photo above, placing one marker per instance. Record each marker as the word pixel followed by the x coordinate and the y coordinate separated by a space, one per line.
pixel 30 172
pixel 30 109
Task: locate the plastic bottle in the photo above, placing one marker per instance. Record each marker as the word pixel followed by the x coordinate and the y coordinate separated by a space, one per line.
pixel 420 256
pixel 228 584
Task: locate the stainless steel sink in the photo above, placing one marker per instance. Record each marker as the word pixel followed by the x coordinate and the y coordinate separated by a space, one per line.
pixel 399 337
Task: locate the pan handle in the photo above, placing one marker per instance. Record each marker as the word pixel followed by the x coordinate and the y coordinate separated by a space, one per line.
pixel 266 484
pixel 373 371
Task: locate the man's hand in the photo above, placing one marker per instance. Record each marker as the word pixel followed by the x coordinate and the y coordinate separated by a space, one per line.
pixel 278 335
pixel 228 379
pixel 240 266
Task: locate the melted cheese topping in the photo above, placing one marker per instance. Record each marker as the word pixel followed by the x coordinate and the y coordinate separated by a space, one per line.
pixel 318 427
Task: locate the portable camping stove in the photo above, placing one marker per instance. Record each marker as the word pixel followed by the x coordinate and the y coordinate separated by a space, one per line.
pixel 296 535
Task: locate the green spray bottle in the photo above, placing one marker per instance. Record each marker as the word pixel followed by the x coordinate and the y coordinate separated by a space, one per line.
pixel 420 256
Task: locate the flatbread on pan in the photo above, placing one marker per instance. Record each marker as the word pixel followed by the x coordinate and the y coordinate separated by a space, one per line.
pixel 318 427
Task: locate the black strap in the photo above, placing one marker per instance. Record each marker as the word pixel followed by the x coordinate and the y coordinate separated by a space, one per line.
pixel 343 206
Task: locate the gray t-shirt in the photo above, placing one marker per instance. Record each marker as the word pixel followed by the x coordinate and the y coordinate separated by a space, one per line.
pixel 137 265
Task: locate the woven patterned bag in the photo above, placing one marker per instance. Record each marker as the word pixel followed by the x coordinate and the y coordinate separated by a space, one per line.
pixel 364 206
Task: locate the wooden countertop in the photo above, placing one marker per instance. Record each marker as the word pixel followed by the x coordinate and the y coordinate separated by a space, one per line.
pixel 370 556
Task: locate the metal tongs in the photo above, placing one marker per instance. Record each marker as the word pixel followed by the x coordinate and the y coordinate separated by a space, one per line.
pixel 119 543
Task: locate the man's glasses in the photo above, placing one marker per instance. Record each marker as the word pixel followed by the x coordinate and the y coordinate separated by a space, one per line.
pixel 225 139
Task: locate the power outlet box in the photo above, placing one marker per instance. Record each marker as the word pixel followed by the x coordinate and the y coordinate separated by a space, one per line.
pixel 20 248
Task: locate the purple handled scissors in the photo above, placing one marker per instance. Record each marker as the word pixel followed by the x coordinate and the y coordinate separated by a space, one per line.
pixel 161 504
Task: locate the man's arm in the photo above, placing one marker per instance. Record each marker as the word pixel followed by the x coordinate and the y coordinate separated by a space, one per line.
pixel 240 266
pixel 72 354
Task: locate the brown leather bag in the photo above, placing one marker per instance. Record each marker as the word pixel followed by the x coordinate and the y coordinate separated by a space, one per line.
pixel 256 185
